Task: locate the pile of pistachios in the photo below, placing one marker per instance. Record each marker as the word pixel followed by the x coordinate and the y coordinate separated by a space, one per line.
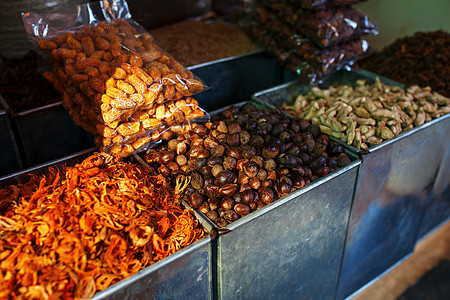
pixel 367 114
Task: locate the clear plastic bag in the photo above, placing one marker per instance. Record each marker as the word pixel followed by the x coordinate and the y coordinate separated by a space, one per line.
pixel 323 27
pixel 310 63
pixel 114 80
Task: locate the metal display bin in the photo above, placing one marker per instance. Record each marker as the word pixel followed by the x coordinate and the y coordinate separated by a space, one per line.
pixel 235 79
pixel 291 248
pixel 185 274
pixel 392 192
pixel 10 160
pixel 47 133
pixel 438 211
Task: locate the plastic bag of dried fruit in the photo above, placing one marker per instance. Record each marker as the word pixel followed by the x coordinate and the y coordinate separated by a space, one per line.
pixel 114 80
pixel 323 27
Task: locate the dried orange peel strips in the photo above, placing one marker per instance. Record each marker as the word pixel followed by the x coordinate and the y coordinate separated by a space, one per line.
pixel 76 231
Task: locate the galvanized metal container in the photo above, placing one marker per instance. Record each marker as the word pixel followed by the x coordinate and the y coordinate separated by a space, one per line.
pixel 393 187
pixel 187 274
pixel 235 79
pixel 438 210
pixel 292 248
pixel 10 160
pixel 47 133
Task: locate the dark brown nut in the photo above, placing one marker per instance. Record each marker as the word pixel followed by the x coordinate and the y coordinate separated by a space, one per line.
pixel 200 130
pixel 267 183
pixel 196 151
pixel 307 136
pixel 248 151
pixel 224 177
pixel 260 204
pixel 214 160
pixel 231 215
pixel 222 139
pixel 244 137
pixel 196 180
pixel 242 178
pixel 308 171
pixel 310 144
pixel 247 196
pixel 233 140
pixel 319 148
pixel 295 151
pixel 228 189
pixel 196 200
pixel 166 157
pixel 279 128
pixel 229 163
pixel 216 169
pixel 186 169
pixel 283 188
pixel 272 175
pixel 285 136
pixel 267 195
pixel 234 128
pixel 214 133
pixel 234 152
pixel 304 124
pixel 262 174
pixel 270 164
pixel 256 141
pixel 287 161
pixel 322 171
pixel 210 143
pixel 270 150
pixel 255 183
pixel 282 172
pixel 204 208
pixel 305 157
pixel 173 166
pixel 181 160
pixel 213 204
pixel 206 171
pixel 221 222
pixel 259 160
pixel 294 126
pixel 181 148
pixel 298 181
pixel 227 203
pixel 213 215
pixel 297 139
pixel 188 191
pixel 343 160
pixel 336 148
pixel 314 129
pixel 219 150
pixel 212 191
pixel 237 198
pixel 300 170
pixel 252 206
pixel 199 163
pixel 196 141
pixel 244 187
pixel 318 162
pixel 240 164
pixel 242 209
pixel 251 169
pixel 172 144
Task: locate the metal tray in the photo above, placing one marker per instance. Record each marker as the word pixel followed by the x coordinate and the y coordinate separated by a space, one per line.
pixel 235 79
pixel 391 193
pixel 291 248
pixel 10 160
pixel 184 275
pixel 47 133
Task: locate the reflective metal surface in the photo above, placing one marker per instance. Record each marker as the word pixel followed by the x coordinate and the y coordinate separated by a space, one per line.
pixel 48 133
pixel 292 248
pixel 393 191
pixel 185 274
pixel 438 210
pixel 235 79
pixel 10 160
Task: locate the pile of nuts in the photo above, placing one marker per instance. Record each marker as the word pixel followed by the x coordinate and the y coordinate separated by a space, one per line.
pixel 117 84
pixel 368 114
pixel 244 159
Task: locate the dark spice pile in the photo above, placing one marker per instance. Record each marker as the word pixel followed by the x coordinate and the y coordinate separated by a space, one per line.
pixel 195 42
pixel 22 86
pixel 421 59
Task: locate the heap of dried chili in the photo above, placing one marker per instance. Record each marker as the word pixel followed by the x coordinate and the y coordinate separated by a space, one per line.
pixel 78 230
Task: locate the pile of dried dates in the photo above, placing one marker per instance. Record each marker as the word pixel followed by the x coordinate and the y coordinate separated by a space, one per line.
pixel 244 159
